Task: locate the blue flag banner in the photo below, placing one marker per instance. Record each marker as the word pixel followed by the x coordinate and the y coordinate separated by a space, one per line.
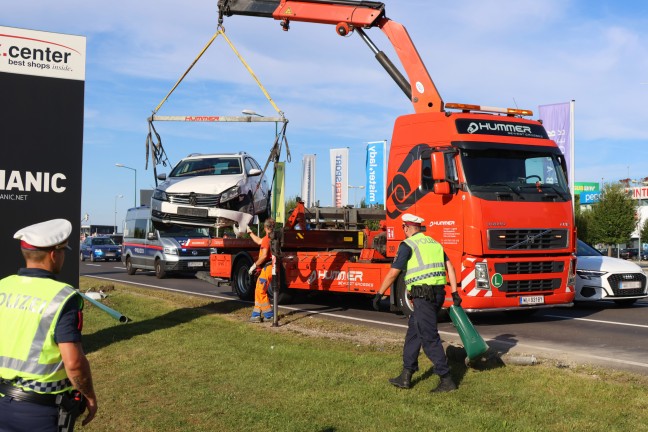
pixel 375 173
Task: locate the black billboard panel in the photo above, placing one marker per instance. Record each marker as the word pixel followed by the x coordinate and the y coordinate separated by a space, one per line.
pixel 42 85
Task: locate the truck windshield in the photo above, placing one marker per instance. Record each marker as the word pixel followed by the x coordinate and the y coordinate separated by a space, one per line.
pixel 178 231
pixel 514 173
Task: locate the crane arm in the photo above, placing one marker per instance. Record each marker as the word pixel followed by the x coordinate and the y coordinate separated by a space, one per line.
pixel 347 16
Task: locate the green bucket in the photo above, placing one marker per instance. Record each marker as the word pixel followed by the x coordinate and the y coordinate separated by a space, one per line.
pixel 473 343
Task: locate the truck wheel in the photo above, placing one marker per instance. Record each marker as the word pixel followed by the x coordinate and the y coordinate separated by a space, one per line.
pixel 129 267
pixel 404 304
pixel 242 283
pixel 81 257
pixel 160 273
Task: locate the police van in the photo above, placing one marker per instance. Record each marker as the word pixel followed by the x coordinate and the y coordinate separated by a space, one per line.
pixel 164 248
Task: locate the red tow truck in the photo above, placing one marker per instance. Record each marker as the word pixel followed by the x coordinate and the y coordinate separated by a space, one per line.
pixel 490 184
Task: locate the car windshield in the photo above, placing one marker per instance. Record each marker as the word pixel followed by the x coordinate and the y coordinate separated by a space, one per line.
pixel 207 166
pixel 178 231
pixel 102 241
pixel 583 249
pixel 526 174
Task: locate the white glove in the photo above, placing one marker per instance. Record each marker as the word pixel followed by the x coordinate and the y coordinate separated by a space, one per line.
pixel 251 271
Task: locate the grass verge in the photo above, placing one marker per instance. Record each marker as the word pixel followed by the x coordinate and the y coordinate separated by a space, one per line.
pixel 191 364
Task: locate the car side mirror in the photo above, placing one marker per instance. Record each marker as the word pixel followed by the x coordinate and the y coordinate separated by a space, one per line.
pixel 161 176
pixel 151 236
pixel 254 172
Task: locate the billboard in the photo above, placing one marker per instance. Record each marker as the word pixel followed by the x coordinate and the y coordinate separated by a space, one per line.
pixel 42 83
pixel 340 176
pixel 589 192
pixel 375 173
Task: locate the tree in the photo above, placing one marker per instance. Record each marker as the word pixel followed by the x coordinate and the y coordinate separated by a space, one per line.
pixel 583 220
pixel 613 218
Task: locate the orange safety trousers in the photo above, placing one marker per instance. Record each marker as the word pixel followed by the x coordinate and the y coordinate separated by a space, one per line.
pixel 261 300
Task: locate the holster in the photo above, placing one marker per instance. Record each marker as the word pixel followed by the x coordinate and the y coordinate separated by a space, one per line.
pixel 71 406
pixel 427 292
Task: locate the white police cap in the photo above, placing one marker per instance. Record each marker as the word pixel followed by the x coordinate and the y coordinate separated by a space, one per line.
pixel 411 219
pixel 51 234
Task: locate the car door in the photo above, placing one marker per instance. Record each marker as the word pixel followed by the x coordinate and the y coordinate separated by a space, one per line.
pixel 86 247
pixel 260 195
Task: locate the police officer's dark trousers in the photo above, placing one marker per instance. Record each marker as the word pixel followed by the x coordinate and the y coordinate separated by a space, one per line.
pixel 19 416
pixel 422 332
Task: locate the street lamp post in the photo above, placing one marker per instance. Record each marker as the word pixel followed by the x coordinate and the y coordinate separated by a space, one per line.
pixel 134 172
pixel 116 196
pixel 355 188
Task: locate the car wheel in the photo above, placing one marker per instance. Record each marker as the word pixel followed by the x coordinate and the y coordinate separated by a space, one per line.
pixel 160 272
pixel 242 283
pixel 625 302
pixel 247 206
pixel 129 267
pixel 92 257
pixel 81 256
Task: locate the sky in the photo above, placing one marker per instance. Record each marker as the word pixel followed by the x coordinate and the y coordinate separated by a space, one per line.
pixel 505 53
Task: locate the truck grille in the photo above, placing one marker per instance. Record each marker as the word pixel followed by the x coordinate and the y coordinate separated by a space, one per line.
pixel 531 267
pixel 527 239
pixel 615 279
pixel 526 286
pixel 194 199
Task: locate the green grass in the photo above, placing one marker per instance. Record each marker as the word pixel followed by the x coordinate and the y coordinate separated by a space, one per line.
pixel 189 364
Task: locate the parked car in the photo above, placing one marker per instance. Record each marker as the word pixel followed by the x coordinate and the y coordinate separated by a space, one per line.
pixel 600 277
pixel 629 253
pixel 203 188
pixel 100 248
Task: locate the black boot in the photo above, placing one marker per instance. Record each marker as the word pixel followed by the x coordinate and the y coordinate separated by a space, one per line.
pixel 404 380
pixel 445 384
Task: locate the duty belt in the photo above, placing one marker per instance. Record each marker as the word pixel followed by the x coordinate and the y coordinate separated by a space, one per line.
pixel 19 394
pixel 427 292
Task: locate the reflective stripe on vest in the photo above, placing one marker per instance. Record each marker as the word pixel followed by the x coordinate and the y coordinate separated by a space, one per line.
pixel 426 266
pixel 33 306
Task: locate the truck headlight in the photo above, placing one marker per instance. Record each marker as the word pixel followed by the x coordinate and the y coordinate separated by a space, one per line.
pixel 160 195
pixel 230 194
pixel 171 251
pixel 481 276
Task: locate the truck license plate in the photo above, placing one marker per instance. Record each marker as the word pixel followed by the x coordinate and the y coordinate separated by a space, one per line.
pixel 190 211
pixel 531 300
pixel 195 264
pixel 629 285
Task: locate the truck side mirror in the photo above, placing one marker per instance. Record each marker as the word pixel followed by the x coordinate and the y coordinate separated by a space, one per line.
pixel 442 188
pixel 438 166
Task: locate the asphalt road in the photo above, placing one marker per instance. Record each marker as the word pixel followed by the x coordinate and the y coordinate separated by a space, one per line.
pixel 600 333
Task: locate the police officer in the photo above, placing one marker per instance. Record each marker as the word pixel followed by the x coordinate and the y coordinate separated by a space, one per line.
pixel 426 267
pixel 44 373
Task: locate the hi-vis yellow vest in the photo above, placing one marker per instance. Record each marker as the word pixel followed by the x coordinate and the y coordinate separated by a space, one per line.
pixel 29 310
pixel 426 266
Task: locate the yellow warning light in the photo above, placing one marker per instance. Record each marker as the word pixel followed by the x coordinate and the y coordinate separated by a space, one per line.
pixel 483 108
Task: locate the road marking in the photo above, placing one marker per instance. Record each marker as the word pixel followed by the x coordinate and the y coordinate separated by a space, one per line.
pixel 94 265
pixel 120 268
pixel 607 360
pixel 598 321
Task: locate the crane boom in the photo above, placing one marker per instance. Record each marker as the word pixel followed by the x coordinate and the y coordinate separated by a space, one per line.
pixel 347 16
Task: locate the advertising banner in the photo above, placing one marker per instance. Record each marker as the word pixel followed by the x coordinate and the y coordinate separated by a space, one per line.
pixel 589 192
pixel 340 176
pixel 308 180
pixel 558 120
pixel 278 194
pixel 41 118
pixel 375 173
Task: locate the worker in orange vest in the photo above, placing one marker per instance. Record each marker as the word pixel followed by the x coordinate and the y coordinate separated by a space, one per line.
pixel 262 270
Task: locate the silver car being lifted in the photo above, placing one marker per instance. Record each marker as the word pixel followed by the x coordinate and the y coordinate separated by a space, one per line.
pixel 212 190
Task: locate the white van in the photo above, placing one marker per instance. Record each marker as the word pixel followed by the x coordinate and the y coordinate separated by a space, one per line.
pixel 162 247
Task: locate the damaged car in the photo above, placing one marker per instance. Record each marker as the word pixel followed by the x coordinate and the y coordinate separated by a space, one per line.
pixel 212 190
